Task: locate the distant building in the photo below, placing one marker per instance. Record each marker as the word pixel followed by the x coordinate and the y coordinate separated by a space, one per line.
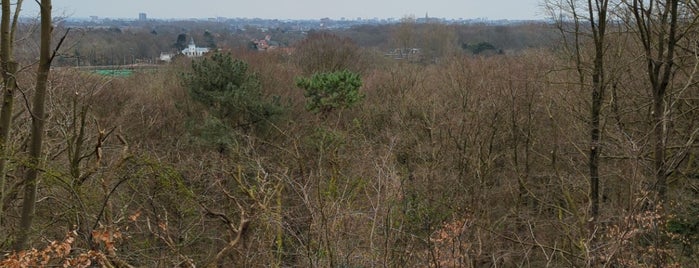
pixel 265 44
pixel 142 17
pixel 166 57
pixel 193 51
pixel 410 54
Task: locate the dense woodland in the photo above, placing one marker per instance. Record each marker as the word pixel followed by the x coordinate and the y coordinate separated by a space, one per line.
pixel 570 143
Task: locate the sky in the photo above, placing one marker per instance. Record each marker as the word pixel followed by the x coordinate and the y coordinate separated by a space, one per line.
pixel 295 9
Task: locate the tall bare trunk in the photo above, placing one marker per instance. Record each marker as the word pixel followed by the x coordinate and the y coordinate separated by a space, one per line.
pixel 598 24
pixel 657 28
pixel 38 120
pixel 9 71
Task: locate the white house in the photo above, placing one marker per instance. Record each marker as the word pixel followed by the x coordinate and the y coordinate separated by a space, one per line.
pixel 166 57
pixel 193 51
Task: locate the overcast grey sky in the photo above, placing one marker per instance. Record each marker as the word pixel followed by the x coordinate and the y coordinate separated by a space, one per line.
pixel 296 9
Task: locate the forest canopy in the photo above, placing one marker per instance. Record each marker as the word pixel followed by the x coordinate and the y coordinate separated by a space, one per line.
pixel 565 143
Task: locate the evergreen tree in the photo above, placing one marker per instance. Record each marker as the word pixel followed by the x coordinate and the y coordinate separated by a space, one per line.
pixel 231 94
pixel 326 92
pixel 181 42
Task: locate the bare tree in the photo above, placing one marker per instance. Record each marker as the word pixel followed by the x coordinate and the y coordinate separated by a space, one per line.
pixel 598 26
pixel 326 52
pixel 584 27
pixel 38 120
pixel 404 36
pixel 597 18
pixel 9 71
pixel 656 24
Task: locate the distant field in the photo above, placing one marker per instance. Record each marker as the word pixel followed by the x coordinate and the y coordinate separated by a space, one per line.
pixel 114 72
pixel 117 70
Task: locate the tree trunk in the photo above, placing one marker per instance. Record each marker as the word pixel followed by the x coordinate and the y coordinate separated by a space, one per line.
pixel 659 37
pixel 9 71
pixel 37 133
pixel 598 25
pixel 659 133
pixel 659 103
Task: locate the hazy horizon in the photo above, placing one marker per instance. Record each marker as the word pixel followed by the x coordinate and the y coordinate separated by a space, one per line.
pixel 300 9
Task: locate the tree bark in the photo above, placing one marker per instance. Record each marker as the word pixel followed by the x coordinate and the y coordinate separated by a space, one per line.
pixel 37 132
pixel 598 24
pixel 9 71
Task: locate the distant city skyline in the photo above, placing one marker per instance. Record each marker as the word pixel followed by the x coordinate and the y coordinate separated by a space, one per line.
pixel 298 9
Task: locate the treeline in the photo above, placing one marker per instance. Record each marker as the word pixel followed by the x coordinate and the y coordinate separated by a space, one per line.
pixel 121 44
pixel 578 154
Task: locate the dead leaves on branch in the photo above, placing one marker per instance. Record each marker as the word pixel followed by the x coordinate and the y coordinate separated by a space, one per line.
pixel 57 254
